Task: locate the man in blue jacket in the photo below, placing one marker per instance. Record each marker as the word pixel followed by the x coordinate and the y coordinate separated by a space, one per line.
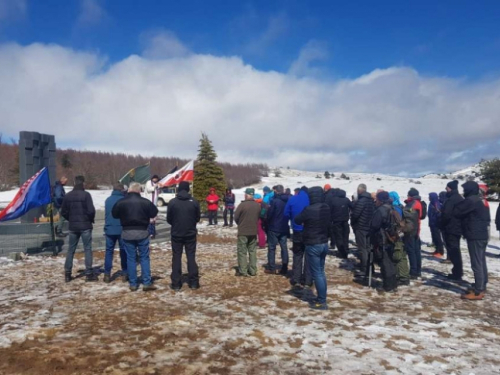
pixel 113 233
pixel 278 231
pixel 301 274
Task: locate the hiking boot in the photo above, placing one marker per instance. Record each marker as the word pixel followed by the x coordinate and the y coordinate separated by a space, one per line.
pixel 125 277
pixel 438 255
pixel 91 278
pixel 453 277
pixel 231 225
pixel 239 274
pixel 284 270
pixel 67 277
pixel 270 272
pixel 194 286
pixel 297 288
pixel 175 288
pixel 133 288
pixel 149 288
pixel 318 306
pixel 61 234
pixel 414 277
pixel 225 225
pixel 404 282
pixel 107 278
pixel 473 296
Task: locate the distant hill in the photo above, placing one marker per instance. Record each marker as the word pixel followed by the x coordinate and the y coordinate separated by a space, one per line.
pixel 106 168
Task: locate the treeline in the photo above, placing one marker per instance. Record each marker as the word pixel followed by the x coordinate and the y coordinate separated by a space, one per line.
pixel 105 168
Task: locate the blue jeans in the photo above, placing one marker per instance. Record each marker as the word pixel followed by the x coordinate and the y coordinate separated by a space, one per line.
pixel 273 239
pixel 316 255
pixel 74 237
pixel 412 247
pixel 111 240
pixel 131 249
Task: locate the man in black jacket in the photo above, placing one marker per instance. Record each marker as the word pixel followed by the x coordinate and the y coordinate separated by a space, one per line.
pixel 278 232
pixel 497 219
pixel 78 209
pixel 340 210
pixel 329 195
pixel 135 214
pixel 316 219
pixel 380 226
pixel 475 218
pixel 183 214
pixel 361 218
pixel 452 229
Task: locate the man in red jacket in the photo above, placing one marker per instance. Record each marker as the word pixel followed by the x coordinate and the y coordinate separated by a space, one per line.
pixel 412 243
pixel 213 206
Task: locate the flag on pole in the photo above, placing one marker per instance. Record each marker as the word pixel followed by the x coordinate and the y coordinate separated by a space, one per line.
pixel 140 174
pixel 186 173
pixel 34 193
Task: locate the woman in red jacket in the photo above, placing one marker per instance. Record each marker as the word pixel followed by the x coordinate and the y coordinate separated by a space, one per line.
pixel 213 207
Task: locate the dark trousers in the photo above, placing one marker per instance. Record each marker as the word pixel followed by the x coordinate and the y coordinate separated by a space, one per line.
pixel 388 268
pixel 231 212
pixel 477 252
pixel 363 243
pixel 274 239
pixel 412 247
pixel 341 232
pixel 74 237
pixel 331 235
pixel 111 240
pixel 301 273
pixel 212 217
pixel 453 247
pixel 437 239
pixel 189 245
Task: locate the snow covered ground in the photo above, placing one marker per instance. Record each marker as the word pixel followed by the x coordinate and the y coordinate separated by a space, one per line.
pixel 242 325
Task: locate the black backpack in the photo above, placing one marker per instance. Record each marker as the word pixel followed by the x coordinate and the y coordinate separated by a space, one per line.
pixel 424 210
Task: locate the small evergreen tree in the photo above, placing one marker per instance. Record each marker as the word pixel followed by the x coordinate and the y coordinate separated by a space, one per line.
pixel 490 173
pixel 66 161
pixel 207 173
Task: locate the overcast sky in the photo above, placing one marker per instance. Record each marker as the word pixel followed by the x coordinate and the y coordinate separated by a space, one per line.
pixel 305 112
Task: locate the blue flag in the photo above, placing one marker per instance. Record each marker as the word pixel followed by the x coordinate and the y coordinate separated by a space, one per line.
pixel 34 193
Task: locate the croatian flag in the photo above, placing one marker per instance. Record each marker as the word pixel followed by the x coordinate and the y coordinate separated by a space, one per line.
pixel 186 173
pixel 34 193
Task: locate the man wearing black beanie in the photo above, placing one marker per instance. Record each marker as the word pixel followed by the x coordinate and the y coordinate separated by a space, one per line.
pixel 452 230
pixel 183 213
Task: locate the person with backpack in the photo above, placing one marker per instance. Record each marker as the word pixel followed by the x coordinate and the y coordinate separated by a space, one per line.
pixel 229 201
pixel 361 217
pixel 434 212
pixel 315 219
pixel 475 219
pixel 340 207
pixel 384 234
pixel 400 257
pixel 452 227
pixel 412 240
pixel 301 275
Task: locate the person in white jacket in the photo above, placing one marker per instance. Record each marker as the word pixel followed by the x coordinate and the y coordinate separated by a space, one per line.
pixel 151 191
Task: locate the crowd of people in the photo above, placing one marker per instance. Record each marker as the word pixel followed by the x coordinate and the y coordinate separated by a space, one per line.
pixel 386 231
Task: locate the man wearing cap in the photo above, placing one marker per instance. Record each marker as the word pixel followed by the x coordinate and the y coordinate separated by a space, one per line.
pixel 379 225
pixel 475 218
pixel 452 228
pixel 412 242
pixel 247 218
pixel 183 214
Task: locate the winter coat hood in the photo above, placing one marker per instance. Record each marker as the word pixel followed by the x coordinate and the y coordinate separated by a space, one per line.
pixel 340 193
pixel 442 197
pixel 316 195
pixel 433 197
pixel 470 188
pixel 184 195
pixel 394 196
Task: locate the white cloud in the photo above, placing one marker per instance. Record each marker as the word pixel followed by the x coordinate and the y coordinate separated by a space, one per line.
pixel 391 120
pixel 312 52
pixel 12 9
pixel 91 13
pixel 162 44
pixel 277 26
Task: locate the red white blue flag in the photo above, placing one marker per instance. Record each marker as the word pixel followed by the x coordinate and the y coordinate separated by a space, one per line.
pixel 34 193
pixel 186 173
